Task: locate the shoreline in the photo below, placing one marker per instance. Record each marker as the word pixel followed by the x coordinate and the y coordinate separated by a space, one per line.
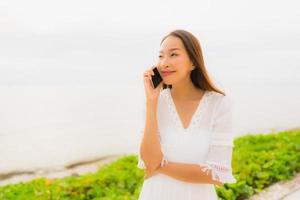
pixel 75 168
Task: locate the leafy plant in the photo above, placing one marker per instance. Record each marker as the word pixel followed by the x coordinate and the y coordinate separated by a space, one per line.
pixel 258 161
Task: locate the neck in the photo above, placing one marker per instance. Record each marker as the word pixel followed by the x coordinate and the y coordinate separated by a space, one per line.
pixel 185 90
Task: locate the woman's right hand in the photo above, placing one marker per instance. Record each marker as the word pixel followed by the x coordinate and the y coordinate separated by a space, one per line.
pixel 151 93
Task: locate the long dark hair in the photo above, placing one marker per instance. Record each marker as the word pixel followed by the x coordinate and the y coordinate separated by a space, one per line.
pixel 199 75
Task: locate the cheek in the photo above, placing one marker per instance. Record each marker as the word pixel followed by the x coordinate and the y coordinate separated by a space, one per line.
pixel 181 64
pixel 178 63
pixel 179 60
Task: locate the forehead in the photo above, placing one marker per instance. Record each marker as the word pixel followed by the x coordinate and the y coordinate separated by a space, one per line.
pixel 171 44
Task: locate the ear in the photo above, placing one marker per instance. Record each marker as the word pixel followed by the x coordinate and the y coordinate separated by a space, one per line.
pixel 192 66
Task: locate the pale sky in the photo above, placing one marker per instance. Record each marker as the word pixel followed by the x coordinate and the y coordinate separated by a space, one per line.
pixel 39 16
pixel 64 40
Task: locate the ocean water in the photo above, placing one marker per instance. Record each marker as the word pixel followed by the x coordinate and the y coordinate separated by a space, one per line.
pixel 51 126
pixel 47 126
pixel 65 97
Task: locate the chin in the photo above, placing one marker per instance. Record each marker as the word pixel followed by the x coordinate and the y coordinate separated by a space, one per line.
pixel 170 81
pixel 167 82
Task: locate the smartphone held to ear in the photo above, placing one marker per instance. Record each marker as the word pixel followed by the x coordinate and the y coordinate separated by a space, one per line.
pixel 156 78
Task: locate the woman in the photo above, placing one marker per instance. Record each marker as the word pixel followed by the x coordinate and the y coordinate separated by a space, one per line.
pixel 186 142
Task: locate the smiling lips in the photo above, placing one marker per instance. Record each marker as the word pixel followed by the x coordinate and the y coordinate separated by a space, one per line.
pixel 167 73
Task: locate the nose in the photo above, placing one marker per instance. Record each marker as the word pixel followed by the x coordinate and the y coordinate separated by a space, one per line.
pixel 163 63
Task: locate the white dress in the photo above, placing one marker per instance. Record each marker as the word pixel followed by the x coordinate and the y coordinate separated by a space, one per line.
pixel 207 141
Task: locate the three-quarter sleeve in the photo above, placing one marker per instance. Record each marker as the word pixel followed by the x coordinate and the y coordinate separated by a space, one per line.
pixel 141 163
pixel 219 156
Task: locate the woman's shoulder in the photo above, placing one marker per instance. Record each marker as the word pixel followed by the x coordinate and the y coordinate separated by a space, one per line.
pixel 218 95
pixel 217 98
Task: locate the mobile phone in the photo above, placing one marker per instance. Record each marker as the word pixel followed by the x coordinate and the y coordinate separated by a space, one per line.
pixel 156 78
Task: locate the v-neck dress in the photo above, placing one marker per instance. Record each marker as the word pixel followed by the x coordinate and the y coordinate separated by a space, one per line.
pixel 207 141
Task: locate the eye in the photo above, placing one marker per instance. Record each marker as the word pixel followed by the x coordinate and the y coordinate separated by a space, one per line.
pixel 171 55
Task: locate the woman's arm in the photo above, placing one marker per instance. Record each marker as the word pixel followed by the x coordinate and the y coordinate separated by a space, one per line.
pixel 150 148
pixel 187 172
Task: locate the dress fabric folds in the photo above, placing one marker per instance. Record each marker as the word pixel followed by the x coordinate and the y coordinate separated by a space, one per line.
pixel 207 141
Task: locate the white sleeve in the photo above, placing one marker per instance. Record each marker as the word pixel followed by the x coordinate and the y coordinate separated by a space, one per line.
pixel 141 163
pixel 218 158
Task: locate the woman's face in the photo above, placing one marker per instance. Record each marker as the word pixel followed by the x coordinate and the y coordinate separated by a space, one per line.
pixel 173 61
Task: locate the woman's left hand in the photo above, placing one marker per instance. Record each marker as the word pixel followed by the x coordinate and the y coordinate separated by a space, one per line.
pixel 149 173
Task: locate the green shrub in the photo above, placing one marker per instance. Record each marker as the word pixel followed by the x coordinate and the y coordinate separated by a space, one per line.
pixel 261 160
pixel 117 180
pixel 258 161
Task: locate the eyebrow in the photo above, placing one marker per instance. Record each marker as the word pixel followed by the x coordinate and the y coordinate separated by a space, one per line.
pixel 170 49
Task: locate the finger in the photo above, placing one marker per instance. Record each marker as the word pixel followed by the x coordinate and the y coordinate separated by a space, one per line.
pixel 147 76
pixel 148 81
pixel 148 73
pixel 151 70
pixel 150 78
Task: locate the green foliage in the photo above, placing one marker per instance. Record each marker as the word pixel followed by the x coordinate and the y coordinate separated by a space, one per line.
pixel 120 180
pixel 258 161
pixel 261 160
